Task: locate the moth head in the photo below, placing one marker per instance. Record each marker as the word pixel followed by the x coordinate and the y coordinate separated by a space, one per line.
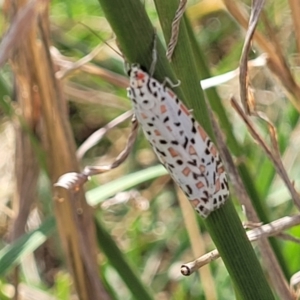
pixel 135 67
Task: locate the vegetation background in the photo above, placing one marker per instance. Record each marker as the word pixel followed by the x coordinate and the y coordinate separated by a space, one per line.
pixel 143 228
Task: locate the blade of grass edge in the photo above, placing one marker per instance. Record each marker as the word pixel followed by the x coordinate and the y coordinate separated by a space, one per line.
pixel 256 195
pixel 224 224
pixel 11 255
pixel 119 262
pixel 107 190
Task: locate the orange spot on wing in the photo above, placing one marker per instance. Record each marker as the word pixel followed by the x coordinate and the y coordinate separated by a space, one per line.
pixel 144 116
pixel 186 171
pixel 217 185
pixel 221 170
pixel 192 150
pixel 202 132
pixel 202 168
pixel 184 109
pixel 213 150
pixel 173 152
pixel 200 185
pixel 157 132
pixel 171 93
pixel 163 109
pixel 195 202
pixel 169 128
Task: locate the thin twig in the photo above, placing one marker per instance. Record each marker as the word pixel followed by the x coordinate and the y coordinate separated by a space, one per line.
pixel 288 237
pixel 274 155
pixel 21 24
pixel 77 64
pixel 244 80
pixel 67 63
pixel 175 29
pixel 295 280
pixel 267 230
pixel 269 259
pixel 73 181
pixel 95 138
pixel 275 64
pixel 295 12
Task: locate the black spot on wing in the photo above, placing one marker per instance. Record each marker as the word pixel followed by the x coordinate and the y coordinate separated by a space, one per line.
pixel 160 152
pixel 193 162
pixel 163 142
pixel 166 119
pixel 190 191
pixel 186 140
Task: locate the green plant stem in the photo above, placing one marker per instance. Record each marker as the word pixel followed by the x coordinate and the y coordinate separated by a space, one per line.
pixel 119 262
pixel 135 34
pixel 263 179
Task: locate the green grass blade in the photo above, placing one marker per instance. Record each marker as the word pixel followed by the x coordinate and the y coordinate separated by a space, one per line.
pixel 119 262
pixel 131 29
pixel 12 254
pixel 101 193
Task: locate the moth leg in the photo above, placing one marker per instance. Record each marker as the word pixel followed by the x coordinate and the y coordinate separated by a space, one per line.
pixel 170 83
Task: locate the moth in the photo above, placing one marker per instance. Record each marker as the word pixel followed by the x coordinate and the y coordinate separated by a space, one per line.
pixel 180 143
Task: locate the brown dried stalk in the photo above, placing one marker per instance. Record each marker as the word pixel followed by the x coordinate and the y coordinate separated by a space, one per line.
pixel 95 138
pixel 268 257
pixel 74 181
pixel 295 283
pixel 295 12
pixel 273 154
pixel 46 106
pixel 67 63
pixel 276 62
pixel 175 29
pixel 272 229
pixel 255 12
pixel 81 94
pixel 23 20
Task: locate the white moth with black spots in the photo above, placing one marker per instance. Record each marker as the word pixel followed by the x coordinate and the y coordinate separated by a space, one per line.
pixel 179 142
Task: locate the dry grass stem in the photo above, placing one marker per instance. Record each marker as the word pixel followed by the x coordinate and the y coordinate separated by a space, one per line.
pixel 95 138
pixel 197 243
pixel 269 259
pixel 215 81
pixel 76 65
pixel 22 23
pixel 67 63
pixel 274 155
pixel 272 229
pixel 36 83
pixel 175 29
pixel 73 181
pixel 288 237
pixel 295 12
pixel 244 80
pixel 81 94
pixel 275 63
pixel 295 283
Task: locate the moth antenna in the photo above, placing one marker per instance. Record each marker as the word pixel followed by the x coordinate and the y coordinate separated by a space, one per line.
pixel 100 38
